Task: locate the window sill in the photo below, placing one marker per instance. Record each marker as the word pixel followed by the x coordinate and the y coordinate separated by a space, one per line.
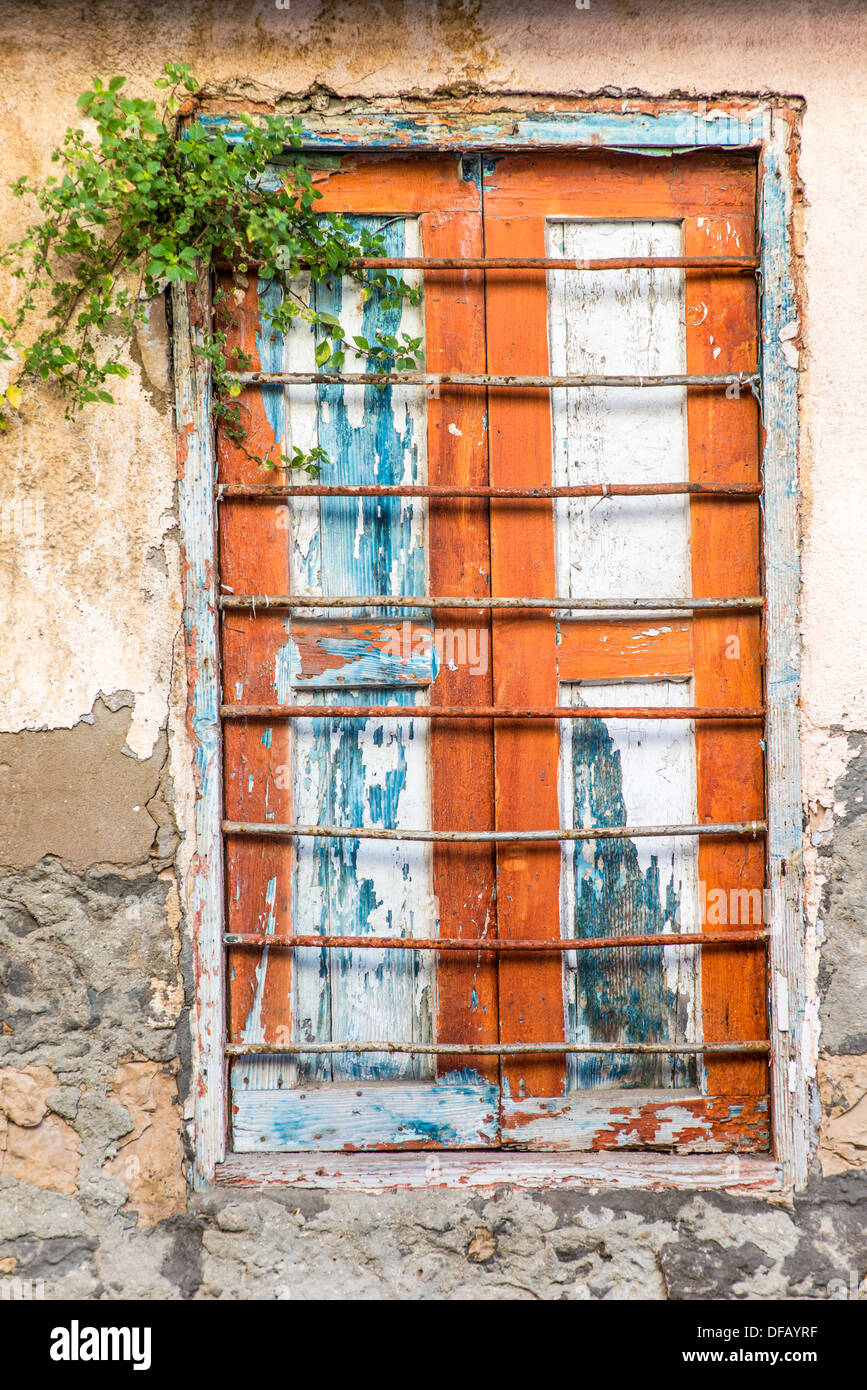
pixel 376 1172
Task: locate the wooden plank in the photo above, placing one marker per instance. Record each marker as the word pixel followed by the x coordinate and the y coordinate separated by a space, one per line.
pixel 604 1120
pixel 625 771
pixel 521 123
pixel 462 762
pixel 723 436
pixel 794 1025
pixel 628 322
pixel 362 1115
pixel 256 753
pixel 605 1172
pixel 329 653
pixel 618 184
pixel 204 880
pixel 371 772
pixel 711 192
pixel 524 654
pixel 610 651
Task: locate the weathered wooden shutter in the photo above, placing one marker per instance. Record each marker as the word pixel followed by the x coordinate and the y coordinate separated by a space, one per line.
pixel 514 774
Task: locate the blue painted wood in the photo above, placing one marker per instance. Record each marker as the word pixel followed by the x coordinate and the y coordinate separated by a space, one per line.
pixel 453 1113
pixel 269 345
pixel 676 128
pixel 628 998
pixel 204 880
pixel 362 663
pixel 365 773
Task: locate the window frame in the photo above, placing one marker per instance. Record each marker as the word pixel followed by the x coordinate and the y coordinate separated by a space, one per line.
pixel 639 126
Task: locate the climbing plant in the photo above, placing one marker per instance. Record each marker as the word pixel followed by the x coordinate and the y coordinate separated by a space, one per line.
pixel 140 197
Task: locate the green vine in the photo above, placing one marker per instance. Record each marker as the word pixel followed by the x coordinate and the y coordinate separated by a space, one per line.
pixel 135 206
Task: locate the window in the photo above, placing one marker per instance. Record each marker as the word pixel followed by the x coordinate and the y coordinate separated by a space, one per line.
pixel 632 700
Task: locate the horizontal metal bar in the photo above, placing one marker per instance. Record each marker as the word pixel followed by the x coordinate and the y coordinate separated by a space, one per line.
pixel 486 712
pixel 600 832
pixel 267 492
pixel 494 944
pixel 560 263
pixel 493 1049
pixel 439 379
pixel 300 602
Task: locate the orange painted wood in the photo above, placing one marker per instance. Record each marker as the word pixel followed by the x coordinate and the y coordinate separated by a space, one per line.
pixel 524 656
pixel 606 183
pixel 594 651
pixel 476 548
pixel 256 758
pixel 726 544
pixel 320 645
pixel 462 761
pixel 714 196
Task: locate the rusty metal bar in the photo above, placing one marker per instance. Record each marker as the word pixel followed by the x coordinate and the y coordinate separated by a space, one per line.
pixel 600 832
pixel 549 263
pixel 235 711
pixel 299 602
pixel 269 491
pixel 438 379
pixel 486 943
pixel 492 1049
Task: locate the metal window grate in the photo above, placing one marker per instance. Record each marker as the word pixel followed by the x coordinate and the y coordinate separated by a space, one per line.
pixel 495 1049
pixel 742 380
pixel 743 263
pixel 751 828
pixel 561 605
pixel 497 945
pixel 292 603
pixel 268 492
pixel 237 711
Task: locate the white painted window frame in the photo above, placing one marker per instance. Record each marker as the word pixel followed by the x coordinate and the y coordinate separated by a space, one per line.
pixel 638 126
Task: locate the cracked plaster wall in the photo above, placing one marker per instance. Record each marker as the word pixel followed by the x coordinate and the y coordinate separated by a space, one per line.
pixel 95 774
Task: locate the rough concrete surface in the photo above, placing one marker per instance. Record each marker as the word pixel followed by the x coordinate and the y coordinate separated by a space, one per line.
pixel 96 777
pixel 79 793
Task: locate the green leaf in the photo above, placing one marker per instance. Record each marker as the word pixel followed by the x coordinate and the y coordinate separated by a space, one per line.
pixel 135 204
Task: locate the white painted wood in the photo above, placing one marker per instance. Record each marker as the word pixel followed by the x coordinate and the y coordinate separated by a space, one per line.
pixel 631 322
pixel 598 1172
pixel 628 322
pixel 658 779
pixel 204 882
pixel 793 1047
pixel 365 886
